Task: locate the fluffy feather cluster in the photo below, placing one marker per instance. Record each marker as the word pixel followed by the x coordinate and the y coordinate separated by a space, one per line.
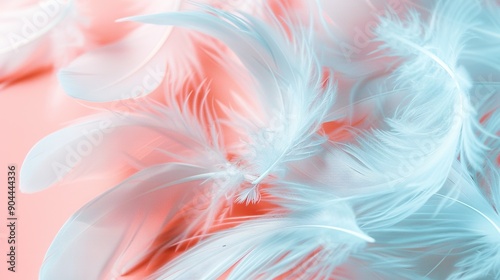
pixel 279 150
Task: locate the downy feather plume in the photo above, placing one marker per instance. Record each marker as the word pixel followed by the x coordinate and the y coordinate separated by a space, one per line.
pixel 289 84
pixel 300 100
pixel 118 227
pixel 434 124
pixel 450 237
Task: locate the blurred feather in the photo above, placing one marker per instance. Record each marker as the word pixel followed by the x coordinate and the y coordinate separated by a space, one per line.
pixel 141 73
pixel 33 32
pixel 190 168
pixel 154 55
pixel 116 79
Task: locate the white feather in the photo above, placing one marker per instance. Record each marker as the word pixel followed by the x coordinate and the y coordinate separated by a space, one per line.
pixel 403 165
pixel 453 236
pixel 96 146
pixel 288 81
pixel 112 233
pixel 306 241
pixel 103 74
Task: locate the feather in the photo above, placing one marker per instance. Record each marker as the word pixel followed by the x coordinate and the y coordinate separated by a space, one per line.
pixel 149 58
pixel 185 136
pixel 416 197
pixel 116 79
pixel 488 178
pixel 55 155
pixel 288 81
pixel 193 173
pixel 308 241
pixel 403 165
pixel 460 233
pixel 113 231
pixel 95 146
pixel 26 40
pixel 480 53
pixel 152 56
pixel 451 24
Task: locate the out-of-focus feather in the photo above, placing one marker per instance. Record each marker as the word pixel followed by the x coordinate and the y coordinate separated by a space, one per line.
pixel 29 36
pixel 103 75
pixel 54 156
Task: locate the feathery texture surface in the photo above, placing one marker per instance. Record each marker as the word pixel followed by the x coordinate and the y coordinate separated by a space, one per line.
pixel 275 153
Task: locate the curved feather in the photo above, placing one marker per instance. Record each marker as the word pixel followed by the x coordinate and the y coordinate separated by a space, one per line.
pixel 178 135
pixel 113 231
pixel 103 75
pixel 116 79
pixel 403 165
pixel 480 54
pixel 453 236
pixel 288 80
pixel 57 154
pixel 452 24
pixel 153 55
pixel 95 146
pixel 302 243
